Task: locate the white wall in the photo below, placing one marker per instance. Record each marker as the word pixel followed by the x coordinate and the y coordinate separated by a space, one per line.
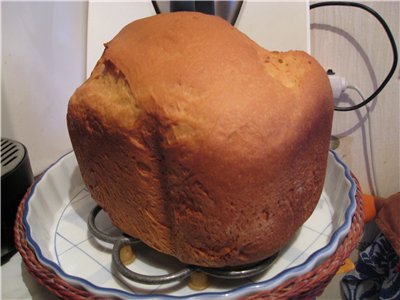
pixel 43 61
pixel 353 44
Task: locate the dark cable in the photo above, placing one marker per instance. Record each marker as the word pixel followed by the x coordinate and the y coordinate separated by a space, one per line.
pixel 389 35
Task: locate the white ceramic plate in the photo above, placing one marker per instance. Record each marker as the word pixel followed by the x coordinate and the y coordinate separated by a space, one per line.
pixel 58 206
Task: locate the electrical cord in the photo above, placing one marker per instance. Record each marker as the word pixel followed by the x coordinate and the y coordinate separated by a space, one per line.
pixel 358 91
pixel 389 35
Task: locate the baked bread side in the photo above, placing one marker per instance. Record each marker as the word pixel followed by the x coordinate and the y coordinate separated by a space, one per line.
pixel 201 143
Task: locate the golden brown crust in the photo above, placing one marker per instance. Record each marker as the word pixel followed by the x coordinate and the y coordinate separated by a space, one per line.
pixel 201 143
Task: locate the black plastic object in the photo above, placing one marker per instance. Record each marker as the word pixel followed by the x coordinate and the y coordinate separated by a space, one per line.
pixel 228 10
pixel 16 177
pixel 206 7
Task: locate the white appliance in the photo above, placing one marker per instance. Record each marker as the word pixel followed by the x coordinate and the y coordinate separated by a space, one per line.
pixel 49 48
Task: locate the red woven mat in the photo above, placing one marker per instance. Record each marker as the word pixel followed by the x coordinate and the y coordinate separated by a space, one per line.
pixel 307 286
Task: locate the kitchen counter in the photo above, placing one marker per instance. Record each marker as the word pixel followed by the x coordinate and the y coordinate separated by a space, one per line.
pixel 17 283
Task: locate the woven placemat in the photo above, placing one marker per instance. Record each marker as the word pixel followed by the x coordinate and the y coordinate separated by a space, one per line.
pixel 307 286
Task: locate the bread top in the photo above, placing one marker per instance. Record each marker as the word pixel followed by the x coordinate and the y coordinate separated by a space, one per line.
pixel 199 76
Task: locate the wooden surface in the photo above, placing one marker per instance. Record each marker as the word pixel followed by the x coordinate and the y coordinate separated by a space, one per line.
pixel 352 43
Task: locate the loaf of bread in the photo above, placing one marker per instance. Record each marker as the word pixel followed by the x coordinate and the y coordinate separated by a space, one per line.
pixel 201 143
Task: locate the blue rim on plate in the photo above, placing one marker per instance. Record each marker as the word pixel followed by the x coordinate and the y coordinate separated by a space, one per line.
pixel 250 288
